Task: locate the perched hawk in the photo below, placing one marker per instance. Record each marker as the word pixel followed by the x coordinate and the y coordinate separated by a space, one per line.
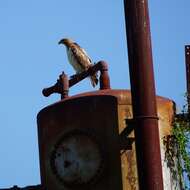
pixel 78 58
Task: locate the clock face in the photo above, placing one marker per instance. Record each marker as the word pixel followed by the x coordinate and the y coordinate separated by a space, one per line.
pixel 77 159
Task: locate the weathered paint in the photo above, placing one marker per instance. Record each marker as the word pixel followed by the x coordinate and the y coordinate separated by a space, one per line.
pixel 93 114
pixel 124 110
pixel 143 95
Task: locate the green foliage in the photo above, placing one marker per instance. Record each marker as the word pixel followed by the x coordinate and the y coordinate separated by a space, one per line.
pixel 177 153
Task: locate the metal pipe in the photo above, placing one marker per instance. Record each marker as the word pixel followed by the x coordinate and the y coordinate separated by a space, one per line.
pixel 143 95
pixel 187 63
pixel 65 85
pixel 62 85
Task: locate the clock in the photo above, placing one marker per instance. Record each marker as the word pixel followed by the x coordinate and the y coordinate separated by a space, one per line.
pixel 77 159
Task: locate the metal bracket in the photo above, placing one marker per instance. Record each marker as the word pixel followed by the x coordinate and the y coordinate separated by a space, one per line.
pixel 125 141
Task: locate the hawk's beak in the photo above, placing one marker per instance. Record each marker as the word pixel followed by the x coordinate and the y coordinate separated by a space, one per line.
pixel 59 42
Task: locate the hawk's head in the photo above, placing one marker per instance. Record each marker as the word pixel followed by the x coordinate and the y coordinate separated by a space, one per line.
pixel 66 41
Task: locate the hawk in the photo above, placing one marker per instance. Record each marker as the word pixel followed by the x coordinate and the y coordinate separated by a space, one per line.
pixel 78 58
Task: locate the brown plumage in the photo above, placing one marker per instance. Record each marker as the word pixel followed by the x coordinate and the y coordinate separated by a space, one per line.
pixel 78 58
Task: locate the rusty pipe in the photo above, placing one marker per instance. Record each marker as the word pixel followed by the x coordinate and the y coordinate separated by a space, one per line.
pixel 101 66
pixel 143 95
pixel 62 85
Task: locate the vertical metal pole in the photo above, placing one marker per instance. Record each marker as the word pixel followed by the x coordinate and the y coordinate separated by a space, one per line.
pixel 64 82
pixel 104 76
pixel 187 62
pixel 143 95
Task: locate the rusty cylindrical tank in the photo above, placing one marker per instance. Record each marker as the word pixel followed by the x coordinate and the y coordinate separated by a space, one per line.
pixel 105 112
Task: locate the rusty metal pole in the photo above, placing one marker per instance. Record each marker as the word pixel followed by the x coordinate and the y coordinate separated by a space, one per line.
pixel 143 95
pixel 187 63
pixel 104 76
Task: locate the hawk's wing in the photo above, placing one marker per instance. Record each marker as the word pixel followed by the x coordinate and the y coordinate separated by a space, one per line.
pixel 81 62
pixel 81 56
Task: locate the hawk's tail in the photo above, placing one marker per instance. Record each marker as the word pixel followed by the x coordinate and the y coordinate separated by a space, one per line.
pixel 94 79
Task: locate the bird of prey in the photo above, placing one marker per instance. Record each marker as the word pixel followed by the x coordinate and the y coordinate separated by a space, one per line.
pixel 78 58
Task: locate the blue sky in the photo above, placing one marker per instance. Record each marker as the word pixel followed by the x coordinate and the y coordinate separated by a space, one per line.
pixel 31 59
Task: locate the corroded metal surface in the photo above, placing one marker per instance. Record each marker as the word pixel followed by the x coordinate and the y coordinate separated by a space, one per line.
pixel 166 111
pixel 63 84
pixel 95 115
pixel 124 111
pixel 77 159
pixel 48 131
pixel 143 95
